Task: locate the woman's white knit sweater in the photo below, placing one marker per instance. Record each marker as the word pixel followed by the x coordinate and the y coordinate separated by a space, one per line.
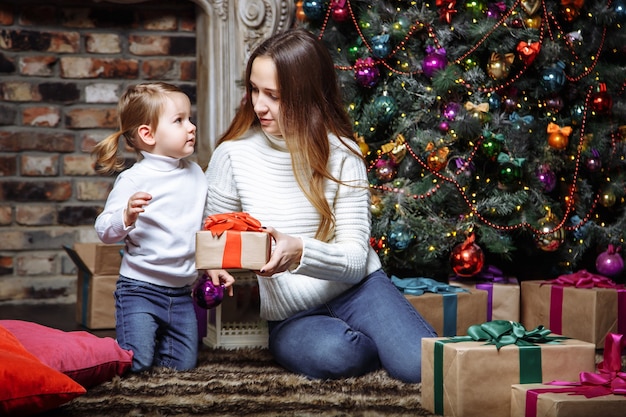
pixel 254 174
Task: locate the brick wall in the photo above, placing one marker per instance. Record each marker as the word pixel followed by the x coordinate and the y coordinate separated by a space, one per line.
pixel 62 68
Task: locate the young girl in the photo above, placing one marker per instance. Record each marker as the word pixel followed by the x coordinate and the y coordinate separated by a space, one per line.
pixel 155 208
pixel 289 160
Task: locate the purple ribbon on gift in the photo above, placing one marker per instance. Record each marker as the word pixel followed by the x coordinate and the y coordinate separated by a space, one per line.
pixel 485 280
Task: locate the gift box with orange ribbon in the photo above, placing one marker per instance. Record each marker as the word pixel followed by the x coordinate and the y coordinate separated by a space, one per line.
pixel 581 305
pixel 471 376
pixel 595 394
pixel 232 241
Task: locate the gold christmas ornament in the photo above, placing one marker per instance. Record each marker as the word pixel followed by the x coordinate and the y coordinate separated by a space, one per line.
pixel 551 236
pixel 499 65
pixel 558 137
pixel 530 6
pixel 533 22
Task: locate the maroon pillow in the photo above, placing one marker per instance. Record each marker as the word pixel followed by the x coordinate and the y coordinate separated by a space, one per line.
pixel 87 359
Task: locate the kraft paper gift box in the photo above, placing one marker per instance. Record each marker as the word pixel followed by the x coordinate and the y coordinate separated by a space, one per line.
pixel 582 313
pixel 232 250
pixel 449 309
pixel 503 293
pixel 232 241
pixel 563 404
pixel 98 266
pixel 474 379
pixel 601 394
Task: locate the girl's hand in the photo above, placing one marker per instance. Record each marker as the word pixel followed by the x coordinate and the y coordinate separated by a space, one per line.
pixel 222 277
pixel 287 251
pixel 135 206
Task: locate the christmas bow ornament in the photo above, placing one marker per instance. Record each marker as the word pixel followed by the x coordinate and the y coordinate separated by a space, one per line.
pixel 396 149
pixel 495 136
pixel 447 10
pixel 554 128
pixel 505 157
pixel 528 51
pixel 517 119
pixel 482 107
pixel 239 221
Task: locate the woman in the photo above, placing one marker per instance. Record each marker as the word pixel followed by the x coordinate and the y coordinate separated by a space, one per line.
pixel 289 160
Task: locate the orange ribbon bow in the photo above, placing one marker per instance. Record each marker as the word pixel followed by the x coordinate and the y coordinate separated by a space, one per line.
pixel 237 221
pixel 554 128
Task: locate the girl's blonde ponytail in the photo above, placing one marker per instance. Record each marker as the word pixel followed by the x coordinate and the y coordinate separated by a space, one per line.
pixel 108 159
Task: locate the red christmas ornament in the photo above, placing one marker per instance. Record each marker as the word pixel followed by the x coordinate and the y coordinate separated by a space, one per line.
pixel 467 258
pixel 528 51
pixel 339 11
pixel 447 10
pixel 601 101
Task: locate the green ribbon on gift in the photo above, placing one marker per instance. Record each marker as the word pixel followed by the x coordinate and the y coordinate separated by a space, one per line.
pixel 499 333
pixel 421 285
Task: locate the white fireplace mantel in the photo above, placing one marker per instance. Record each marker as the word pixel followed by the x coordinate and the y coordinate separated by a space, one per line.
pixel 226 32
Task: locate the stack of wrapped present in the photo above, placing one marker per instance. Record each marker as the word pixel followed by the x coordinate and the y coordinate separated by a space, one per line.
pixel 593 394
pixel 472 376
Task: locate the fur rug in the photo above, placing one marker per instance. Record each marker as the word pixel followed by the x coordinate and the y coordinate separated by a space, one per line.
pixel 244 382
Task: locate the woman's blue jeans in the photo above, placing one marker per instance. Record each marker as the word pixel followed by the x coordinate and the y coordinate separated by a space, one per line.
pixel 157 323
pixel 371 325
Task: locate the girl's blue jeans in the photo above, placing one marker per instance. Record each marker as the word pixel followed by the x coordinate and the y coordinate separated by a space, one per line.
pixel 371 325
pixel 157 323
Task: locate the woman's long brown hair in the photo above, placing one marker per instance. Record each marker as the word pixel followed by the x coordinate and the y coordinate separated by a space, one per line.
pixel 311 107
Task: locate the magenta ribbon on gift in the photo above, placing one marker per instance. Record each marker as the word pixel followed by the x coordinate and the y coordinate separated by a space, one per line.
pixel 583 279
pixel 609 380
pixel 484 281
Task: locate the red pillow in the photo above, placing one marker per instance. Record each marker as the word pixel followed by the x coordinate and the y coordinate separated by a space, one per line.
pixel 27 386
pixel 87 359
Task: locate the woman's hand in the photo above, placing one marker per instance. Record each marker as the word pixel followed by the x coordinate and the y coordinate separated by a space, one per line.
pixel 287 251
pixel 222 277
pixel 135 206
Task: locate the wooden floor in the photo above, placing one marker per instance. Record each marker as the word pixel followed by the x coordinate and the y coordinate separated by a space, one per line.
pixel 58 316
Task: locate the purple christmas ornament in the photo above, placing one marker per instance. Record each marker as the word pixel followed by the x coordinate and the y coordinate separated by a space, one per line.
pixel 435 60
pixel 547 177
pixel 206 294
pixel 366 73
pixel 610 262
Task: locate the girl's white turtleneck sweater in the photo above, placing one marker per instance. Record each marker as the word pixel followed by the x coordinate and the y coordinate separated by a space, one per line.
pixel 254 174
pixel 160 246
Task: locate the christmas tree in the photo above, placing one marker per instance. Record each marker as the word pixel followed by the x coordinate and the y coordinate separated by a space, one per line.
pixel 495 132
